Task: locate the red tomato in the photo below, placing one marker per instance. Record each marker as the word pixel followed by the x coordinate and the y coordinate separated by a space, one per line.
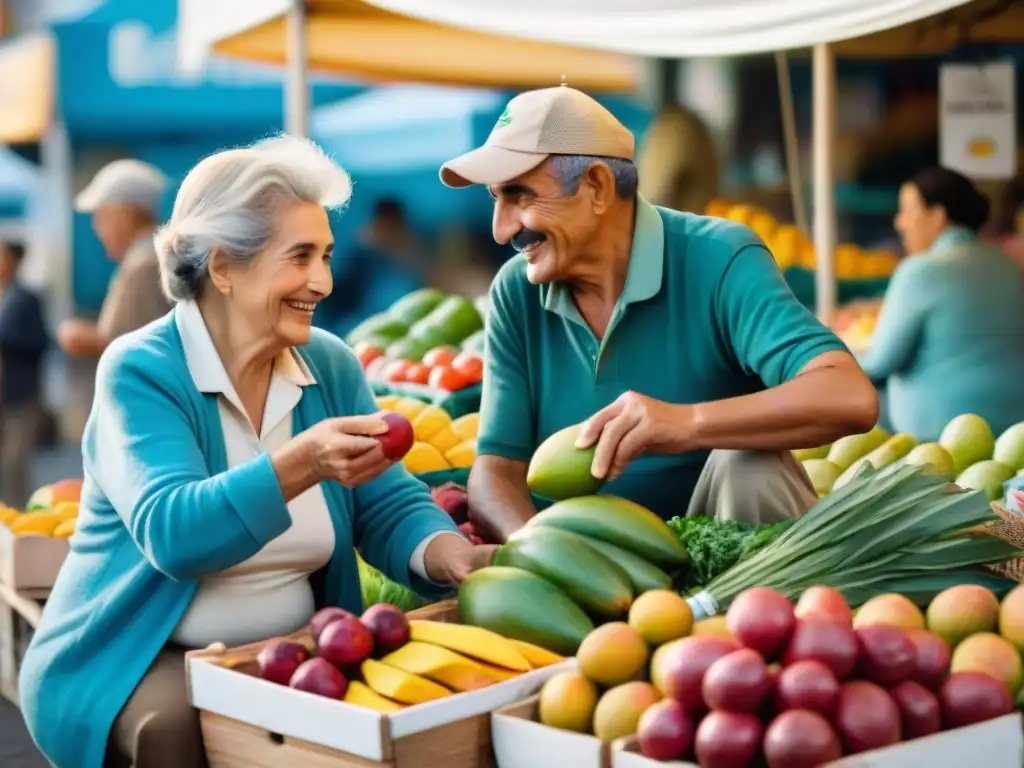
pixel 447 378
pixel 367 353
pixel 395 371
pixel 470 365
pixel 439 356
pixel 418 373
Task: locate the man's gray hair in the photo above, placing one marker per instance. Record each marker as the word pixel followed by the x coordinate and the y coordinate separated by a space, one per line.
pixel 570 169
pixel 229 200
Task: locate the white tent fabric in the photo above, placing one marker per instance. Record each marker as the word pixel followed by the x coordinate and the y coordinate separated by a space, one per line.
pixel 677 28
pixel 201 23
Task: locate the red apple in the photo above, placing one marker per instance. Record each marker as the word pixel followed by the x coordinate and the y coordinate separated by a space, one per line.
pixel 823 603
pixel 279 659
pixel 325 616
pixel 389 626
pixel 346 642
pixel 397 441
pixel 319 676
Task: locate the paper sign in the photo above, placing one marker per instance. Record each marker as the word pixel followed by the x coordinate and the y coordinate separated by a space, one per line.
pixel 978 119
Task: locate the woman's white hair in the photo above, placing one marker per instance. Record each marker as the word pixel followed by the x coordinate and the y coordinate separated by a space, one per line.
pixel 229 200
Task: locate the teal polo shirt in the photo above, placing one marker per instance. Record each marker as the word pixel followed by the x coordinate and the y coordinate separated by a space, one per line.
pixel 704 315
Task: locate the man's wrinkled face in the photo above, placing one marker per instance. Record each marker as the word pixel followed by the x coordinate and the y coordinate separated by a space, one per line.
pixel 549 226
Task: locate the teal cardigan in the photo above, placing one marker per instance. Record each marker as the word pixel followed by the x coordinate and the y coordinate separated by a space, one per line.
pixel 160 509
pixel 950 338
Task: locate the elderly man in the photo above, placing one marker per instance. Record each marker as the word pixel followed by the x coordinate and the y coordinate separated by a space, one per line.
pixel 674 336
pixel 124 200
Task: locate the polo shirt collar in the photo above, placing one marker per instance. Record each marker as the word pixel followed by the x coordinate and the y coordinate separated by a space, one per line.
pixel 211 377
pixel 643 275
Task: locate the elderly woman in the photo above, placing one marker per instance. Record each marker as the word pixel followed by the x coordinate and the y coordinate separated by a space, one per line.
pixel 230 472
pixel 950 337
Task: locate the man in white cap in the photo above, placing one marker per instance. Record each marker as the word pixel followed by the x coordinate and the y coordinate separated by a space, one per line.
pixel 124 200
pixel 673 336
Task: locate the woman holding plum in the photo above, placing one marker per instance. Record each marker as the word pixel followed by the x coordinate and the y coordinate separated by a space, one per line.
pixel 233 464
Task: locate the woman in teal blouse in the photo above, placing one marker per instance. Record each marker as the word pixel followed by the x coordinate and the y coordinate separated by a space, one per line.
pixel 230 472
pixel 950 336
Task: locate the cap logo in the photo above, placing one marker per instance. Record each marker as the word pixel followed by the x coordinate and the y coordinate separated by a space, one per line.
pixel 504 119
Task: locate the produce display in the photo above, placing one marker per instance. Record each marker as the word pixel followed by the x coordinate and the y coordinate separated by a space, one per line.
pixel 855 323
pixel 792 248
pixel 967 453
pixel 433 441
pixel 386 662
pixel 792 686
pixel 424 338
pixel 52 511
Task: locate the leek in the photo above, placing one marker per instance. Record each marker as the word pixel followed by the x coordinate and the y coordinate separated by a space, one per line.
pixel 887 530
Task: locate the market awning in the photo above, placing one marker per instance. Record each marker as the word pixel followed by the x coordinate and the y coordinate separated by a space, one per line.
pixel 677 30
pixel 26 89
pixel 356 39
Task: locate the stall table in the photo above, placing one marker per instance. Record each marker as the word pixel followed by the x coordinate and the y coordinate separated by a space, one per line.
pixel 21 610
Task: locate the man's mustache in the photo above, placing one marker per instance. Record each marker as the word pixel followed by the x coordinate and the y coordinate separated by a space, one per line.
pixel 524 238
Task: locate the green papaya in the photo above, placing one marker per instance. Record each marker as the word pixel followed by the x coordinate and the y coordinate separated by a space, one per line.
pixel 416 305
pixel 451 321
pixel 617 521
pixel 381 326
pixel 642 575
pixel 407 349
pixel 559 470
pixel 590 579
pixel 522 606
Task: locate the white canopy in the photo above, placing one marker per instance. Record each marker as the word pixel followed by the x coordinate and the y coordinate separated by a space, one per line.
pixel 677 28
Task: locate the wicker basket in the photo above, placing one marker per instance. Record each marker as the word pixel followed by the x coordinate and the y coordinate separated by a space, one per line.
pixel 1009 528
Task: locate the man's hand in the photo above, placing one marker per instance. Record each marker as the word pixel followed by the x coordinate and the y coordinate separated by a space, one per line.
pixel 80 338
pixel 631 426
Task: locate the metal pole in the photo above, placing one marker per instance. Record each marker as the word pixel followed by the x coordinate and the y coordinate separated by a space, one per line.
pixel 825 236
pixel 296 87
pixel 791 142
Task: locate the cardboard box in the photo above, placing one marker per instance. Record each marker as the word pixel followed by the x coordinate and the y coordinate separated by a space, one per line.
pixel 250 722
pixel 522 742
pixel 30 562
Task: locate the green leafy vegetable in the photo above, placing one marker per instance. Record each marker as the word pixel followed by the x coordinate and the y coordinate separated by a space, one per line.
pixel 378 588
pixel 715 546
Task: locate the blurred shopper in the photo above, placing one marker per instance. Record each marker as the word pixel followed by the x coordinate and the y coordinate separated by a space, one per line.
pixel 230 473
pixel 124 200
pixel 950 336
pixel 388 262
pixel 23 342
pixel 673 336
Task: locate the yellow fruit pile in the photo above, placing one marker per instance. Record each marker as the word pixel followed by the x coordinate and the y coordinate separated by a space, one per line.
pixel 792 248
pixel 442 659
pixel 441 441
pixel 57 522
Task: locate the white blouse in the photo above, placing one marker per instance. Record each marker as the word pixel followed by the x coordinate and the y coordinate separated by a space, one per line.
pixel 269 594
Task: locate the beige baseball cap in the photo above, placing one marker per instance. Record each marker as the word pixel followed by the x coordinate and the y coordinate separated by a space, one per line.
pixel 124 181
pixel 534 126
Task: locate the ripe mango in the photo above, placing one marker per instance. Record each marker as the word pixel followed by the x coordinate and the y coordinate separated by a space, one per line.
pixel 429 422
pixel 567 702
pixel 661 615
pixel 480 644
pixel 399 685
pixel 612 654
pixel 423 457
pixel 961 611
pixel 1011 617
pixel 891 610
pixel 618 712
pixel 462 455
pixel 8 515
pixel 445 439
pixel 64 529
pixel 409 407
pixel 559 470
pixel 992 655
pixel 441 665
pixel 387 403
pixel 537 656
pixel 361 695
pixel 467 427
pixel 65 510
pixel 35 524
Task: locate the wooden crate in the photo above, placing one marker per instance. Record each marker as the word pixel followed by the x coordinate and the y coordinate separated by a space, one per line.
pixel 317 732
pixel 30 562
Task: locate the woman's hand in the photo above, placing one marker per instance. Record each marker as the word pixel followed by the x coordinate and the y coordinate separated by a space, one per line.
pixel 449 558
pixel 344 449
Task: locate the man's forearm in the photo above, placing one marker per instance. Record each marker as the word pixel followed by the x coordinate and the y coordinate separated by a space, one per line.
pixel 499 500
pixel 813 409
